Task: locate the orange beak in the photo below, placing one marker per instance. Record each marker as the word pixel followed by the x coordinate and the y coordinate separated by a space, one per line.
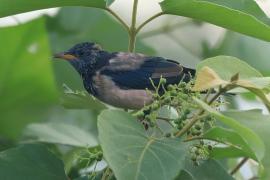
pixel 65 56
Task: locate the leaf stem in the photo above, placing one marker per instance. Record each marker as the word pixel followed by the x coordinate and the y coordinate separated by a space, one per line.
pixel 165 29
pixel 190 124
pixel 132 29
pixel 239 165
pixel 166 120
pixel 118 18
pixel 211 139
pixel 148 20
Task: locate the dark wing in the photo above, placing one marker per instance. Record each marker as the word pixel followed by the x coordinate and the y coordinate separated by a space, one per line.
pixel 133 71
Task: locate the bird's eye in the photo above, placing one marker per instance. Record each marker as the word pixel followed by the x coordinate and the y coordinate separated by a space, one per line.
pixel 80 53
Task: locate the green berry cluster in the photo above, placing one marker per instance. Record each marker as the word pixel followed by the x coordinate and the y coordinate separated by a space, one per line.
pixel 178 96
pixel 199 151
pixel 181 98
pixel 89 156
pixel 208 121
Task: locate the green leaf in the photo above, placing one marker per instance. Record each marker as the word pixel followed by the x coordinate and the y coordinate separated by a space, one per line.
pixel 243 16
pixel 226 67
pixel 233 142
pixel 30 162
pixel 184 175
pixel 8 8
pixel 227 152
pixel 60 133
pixel 27 85
pixel 207 170
pixel 109 2
pixel 255 120
pixel 252 139
pixel 132 154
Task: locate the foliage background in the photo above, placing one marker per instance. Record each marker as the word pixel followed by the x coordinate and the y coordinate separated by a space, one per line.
pixel 31 83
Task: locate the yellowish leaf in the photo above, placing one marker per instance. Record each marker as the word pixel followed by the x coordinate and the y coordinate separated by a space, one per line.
pixel 207 78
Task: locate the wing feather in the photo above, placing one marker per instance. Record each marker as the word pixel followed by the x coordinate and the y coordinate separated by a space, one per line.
pixel 136 72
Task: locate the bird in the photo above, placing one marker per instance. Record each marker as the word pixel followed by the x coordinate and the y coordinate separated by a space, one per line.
pixel 122 79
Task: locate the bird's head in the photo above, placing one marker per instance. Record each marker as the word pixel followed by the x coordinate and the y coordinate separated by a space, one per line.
pixel 82 56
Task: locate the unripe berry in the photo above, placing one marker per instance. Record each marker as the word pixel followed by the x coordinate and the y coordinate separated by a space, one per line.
pixel 163 81
pixel 173 93
pixel 99 156
pixel 170 87
pixel 140 114
pixel 167 100
pixel 187 111
pixel 198 126
pixel 194 157
pixel 155 106
pixel 197 152
pixel 182 85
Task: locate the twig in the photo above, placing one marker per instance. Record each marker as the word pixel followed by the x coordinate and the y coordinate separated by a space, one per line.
pixel 148 20
pixel 164 29
pixel 238 166
pixel 132 29
pixel 207 95
pixel 211 139
pixel 118 18
pixel 166 120
pixel 190 124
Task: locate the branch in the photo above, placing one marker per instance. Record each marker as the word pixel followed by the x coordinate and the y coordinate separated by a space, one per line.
pixel 166 120
pixel 132 29
pixel 166 28
pixel 190 124
pixel 118 18
pixel 238 166
pixel 148 20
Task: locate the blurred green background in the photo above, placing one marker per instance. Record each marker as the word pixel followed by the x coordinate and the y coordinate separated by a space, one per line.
pixel 31 82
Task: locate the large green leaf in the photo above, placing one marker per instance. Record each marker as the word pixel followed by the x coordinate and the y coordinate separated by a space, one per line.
pixel 226 67
pixel 132 154
pixel 243 16
pixel 19 6
pixel 30 162
pixel 207 170
pixel 60 133
pixel 259 123
pixel 253 140
pixel 27 86
pixel 184 175
pixel 233 141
